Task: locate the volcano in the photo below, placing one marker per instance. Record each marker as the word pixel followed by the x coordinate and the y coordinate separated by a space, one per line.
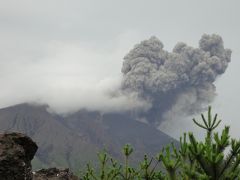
pixel 74 140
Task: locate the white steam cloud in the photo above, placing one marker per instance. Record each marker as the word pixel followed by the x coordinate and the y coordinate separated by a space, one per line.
pixel 67 77
pixel 154 85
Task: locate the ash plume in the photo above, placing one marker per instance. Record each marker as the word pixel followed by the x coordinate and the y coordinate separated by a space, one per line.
pixel 181 81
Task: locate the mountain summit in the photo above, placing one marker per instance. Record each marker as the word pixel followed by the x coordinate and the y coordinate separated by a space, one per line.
pixel 75 139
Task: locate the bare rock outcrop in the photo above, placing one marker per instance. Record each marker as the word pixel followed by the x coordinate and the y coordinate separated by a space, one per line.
pixel 54 174
pixel 16 152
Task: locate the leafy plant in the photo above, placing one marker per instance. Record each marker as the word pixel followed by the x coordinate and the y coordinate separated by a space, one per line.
pixel 203 160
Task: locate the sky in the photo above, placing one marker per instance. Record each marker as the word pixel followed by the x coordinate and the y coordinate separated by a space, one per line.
pixel 69 53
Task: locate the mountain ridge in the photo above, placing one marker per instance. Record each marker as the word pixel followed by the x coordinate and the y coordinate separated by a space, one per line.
pixel 75 139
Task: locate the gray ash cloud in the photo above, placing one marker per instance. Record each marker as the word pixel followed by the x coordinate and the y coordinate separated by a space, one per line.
pixel 179 81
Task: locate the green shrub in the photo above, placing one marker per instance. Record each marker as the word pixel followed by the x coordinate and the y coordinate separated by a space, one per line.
pixel 203 160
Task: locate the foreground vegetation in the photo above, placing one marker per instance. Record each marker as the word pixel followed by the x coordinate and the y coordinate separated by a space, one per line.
pixel 203 160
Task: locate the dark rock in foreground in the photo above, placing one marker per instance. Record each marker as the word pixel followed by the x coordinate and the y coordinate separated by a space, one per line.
pixel 54 174
pixel 16 153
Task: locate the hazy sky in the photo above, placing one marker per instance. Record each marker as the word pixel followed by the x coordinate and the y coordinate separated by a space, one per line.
pixel 69 52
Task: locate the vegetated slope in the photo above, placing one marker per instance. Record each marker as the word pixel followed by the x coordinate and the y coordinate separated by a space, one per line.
pixel 74 140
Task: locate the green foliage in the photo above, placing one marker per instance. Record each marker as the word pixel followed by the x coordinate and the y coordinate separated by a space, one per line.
pixel 200 160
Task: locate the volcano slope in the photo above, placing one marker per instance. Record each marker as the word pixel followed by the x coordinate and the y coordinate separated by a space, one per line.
pixel 74 140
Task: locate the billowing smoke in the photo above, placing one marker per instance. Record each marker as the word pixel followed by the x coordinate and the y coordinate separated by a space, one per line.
pixel 181 81
pixel 155 85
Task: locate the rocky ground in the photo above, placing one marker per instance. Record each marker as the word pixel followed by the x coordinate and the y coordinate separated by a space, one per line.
pixel 16 152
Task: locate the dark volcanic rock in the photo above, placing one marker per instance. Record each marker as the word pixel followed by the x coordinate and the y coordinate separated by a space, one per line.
pixel 16 153
pixel 54 174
